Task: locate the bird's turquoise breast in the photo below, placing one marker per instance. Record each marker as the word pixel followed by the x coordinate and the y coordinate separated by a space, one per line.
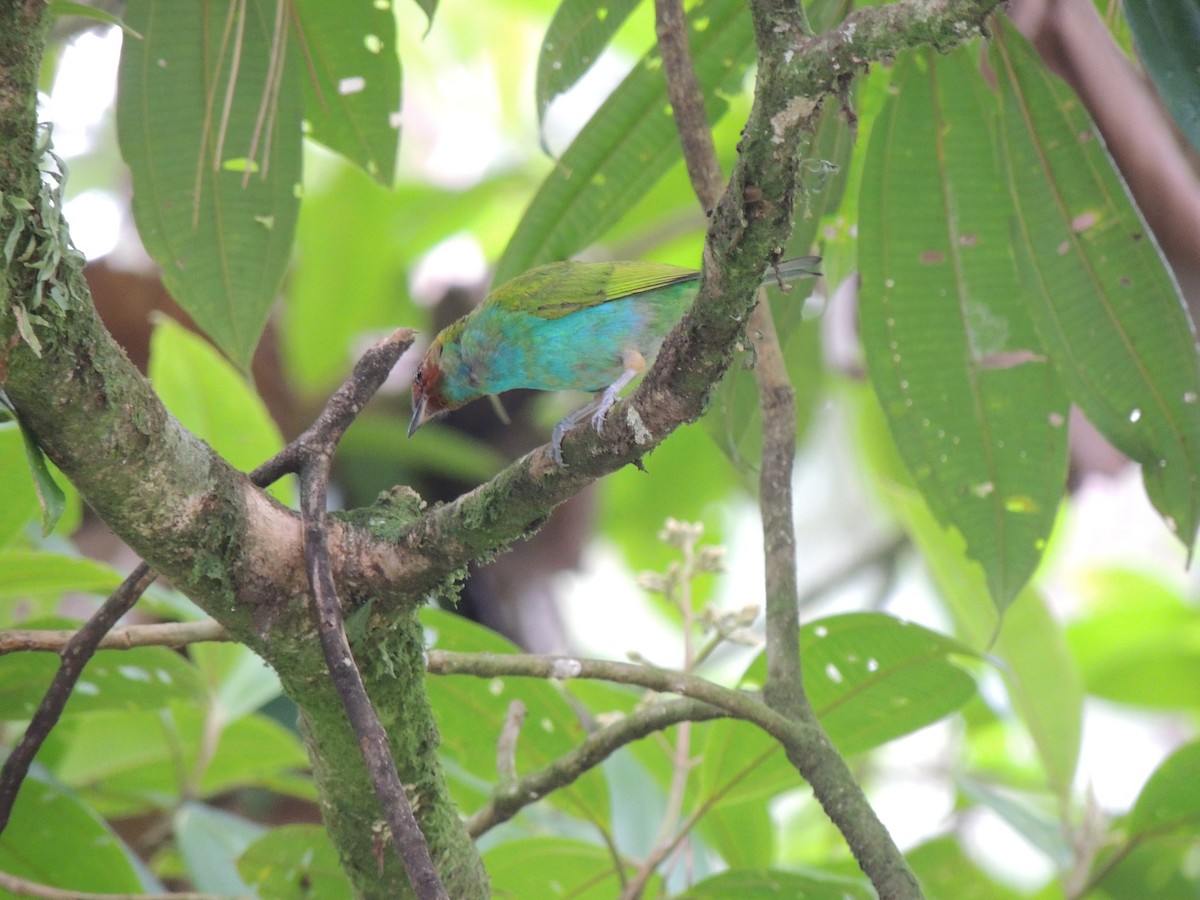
pixel 507 349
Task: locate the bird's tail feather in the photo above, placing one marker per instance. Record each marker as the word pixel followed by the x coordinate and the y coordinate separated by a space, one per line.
pixel 789 270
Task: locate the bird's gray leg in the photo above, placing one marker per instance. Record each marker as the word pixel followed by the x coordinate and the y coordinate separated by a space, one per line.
pixel 565 424
pixel 635 364
pixel 598 406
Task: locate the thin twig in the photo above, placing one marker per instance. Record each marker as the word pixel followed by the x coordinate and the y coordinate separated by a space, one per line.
pixel 687 102
pixel 775 391
pixel 816 760
pixel 784 689
pixel 160 634
pixel 736 703
pixel 311 455
pixel 506 747
pixel 78 650
pixel 23 887
pixel 596 748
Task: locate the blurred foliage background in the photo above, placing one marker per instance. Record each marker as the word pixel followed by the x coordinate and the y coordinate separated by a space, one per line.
pixel 996 381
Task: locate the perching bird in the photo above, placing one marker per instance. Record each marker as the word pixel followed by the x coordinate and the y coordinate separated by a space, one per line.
pixel 566 326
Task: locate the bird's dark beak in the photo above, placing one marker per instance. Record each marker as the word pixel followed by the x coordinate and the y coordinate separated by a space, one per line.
pixel 418 418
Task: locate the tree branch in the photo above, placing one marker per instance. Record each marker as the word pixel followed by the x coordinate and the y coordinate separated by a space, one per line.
pixel 597 747
pixel 311 455
pixel 23 887
pixel 78 650
pixel 735 703
pixel 162 634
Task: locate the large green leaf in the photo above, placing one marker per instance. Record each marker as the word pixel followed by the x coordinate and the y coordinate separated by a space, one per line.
pixel 295 862
pixel 209 123
pixel 33 573
pixel 1167 36
pixel 1106 308
pixel 471 712
pixel 128 762
pixel 352 80
pixel 55 839
pixel 355 245
pixel 1028 640
pixel 213 400
pixel 872 677
pixel 138 679
pixel 628 144
pixel 1169 800
pixel 1137 641
pixel 20 502
pixel 547 868
pixel 575 37
pixel 210 841
pixel 238 679
pixel 774 884
pixel 976 410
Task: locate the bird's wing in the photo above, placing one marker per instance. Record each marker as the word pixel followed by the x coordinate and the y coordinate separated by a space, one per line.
pixel 560 289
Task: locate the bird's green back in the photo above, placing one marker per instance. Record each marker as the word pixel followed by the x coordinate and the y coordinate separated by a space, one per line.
pixel 560 289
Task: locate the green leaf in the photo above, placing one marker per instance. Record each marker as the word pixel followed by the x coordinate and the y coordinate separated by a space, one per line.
pixel 64 8
pixel 1164 867
pixel 352 81
pixel 1105 306
pixel 129 762
pixel 628 144
pixel 575 38
pixel 772 884
pixel 238 679
pixel 444 452
pixel 872 678
pixel 50 496
pixel 429 7
pixel 556 867
pixel 55 839
pixel 976 410
pixel 212 400
pixel 1167 36
pixel 355 245
pixel 144 678
pixel 947 873
pixel 20 500
pixel 32 573
pixel 1138 641
pixel 471 712
pixel 1169 801
pixel 253 752
pixel 1032 817
pixel 209 123
pixel 1036 656
pixel 210 841
pixel 295 862
pixel 1028 640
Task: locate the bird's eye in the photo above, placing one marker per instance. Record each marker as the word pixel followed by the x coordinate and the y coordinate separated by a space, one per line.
pixel 419 378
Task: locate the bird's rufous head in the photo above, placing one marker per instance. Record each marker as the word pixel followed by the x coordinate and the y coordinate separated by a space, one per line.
pixel 428 399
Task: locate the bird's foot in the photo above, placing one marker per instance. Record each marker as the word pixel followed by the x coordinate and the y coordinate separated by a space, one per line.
pixel 565 424
pixel 604 404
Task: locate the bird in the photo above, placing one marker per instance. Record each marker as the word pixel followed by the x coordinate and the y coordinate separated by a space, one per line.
pixel 586 326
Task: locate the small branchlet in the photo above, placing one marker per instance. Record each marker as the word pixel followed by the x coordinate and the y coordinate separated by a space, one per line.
pixel 714 626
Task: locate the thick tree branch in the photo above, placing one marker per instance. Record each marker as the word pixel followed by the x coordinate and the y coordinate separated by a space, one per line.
pixel 235 551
